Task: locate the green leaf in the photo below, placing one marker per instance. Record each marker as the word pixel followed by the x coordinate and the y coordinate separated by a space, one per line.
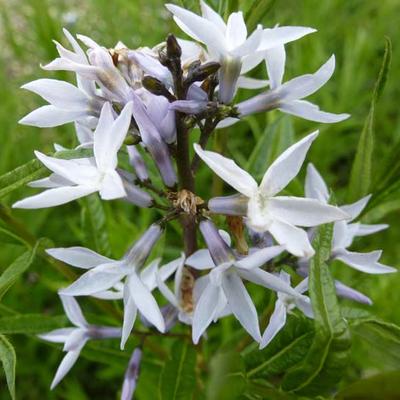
pixel 328 356
pixel 383 386
pixel 19 266
pixel 227 377
pixel 178 378
pixel 257 11
pixel 382 338
pixel 287 349
pixel 33 170
pixel 95 225
pixel 9 237
pixel 9 360
pixel 361 172
pixel 31 323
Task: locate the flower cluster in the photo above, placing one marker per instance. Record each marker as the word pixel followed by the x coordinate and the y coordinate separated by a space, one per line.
pixel 132 107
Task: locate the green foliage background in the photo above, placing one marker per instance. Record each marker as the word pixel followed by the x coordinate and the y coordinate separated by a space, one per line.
pixel 354 30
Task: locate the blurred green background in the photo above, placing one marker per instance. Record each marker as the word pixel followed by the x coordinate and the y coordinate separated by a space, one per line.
pixel 354 30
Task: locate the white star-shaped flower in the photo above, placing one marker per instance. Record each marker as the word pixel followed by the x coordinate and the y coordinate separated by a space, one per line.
pixel 265 211
pixel 72 179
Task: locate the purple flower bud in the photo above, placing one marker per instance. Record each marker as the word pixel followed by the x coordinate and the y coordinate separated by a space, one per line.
pixel 131 375
pixel 137 162
pixel 189 106
pixel 220 252
pixel 170 315
pixel 103 332
pixel 229 205
pixel 152 140
pixel 139 252
pixel 260 103
pixel 137 196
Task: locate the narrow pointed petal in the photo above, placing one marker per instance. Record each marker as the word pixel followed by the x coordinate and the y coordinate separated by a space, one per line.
pixel 355 209
pixel 268 280
pixel 50 116
pixel 79 257
pixel 137 196
pixel 75 339
pixel 245 82
pixel 112 186
pixel 73 311
pixel 212 16
pixel 365 262
pixel 276 323
pixel 205 311
pixel 84 134
pixel 236 30
pixel 304 212
pixel 108 138
pixel 282 34
pixel 303 303
pixel 200 260
pixel 168 269
pixel 66 364
pixel 145 302
pixel 275 59
pixel 57 336
pixel 54 197
pixel 294 239
pixel 365 229
pixel 203 29
pixel 308 84
pixel 347 292
pixel 130 313
pixel 229 171
pixel 249 46
pixel 259 257
pixel 305 109
pixel 286 166
pixel 96 280
pixel 59 93
pixel 241 304
pixel 148 275
pixel 167 292
pixel 315 186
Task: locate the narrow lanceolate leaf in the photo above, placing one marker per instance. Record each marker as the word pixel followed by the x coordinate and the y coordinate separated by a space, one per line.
pixel 227 376
pixel 361 172
pixel 328 355
pixel 33 170
pixel 287 349
pixel 8 359
pixel 19 266
pixel 31 324
pixel 95 225
pixel 257 11
pixel 178 379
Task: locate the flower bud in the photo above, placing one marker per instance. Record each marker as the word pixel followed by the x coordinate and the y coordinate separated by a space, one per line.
pixel 155 86
pixel 229 205
pixel 173 48
pixel 131 375
pixel 220 252
pixel 137 162
pixel 202 72
pixel 137 196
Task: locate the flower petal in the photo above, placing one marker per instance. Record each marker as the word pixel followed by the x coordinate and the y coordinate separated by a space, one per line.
pixel 315 186
pixel 229 171
pixel 205 310
pixel 365 262
pixel 282 34
pixel 305 109
pixel 54 197
pixel 112 186
pixel 79 257
pixel 294 239
pixel 57 336
pixel 355 209
pixel 97 279
pixel 130 313
pixel 347 292
pixel 145 302
pixel 201 259
pixel 276 323
pixel 305 85
pixel 49 116
pixel 148 275
pixel 259 257
pixel 241 304
pixel 286 166
pixel 365 229
pixel 236 30
pixel 66 364
pixel 60 94
pixel 199 28
pixel 275 59
pixel 304 212
pixel 212 16
pixel 73 311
